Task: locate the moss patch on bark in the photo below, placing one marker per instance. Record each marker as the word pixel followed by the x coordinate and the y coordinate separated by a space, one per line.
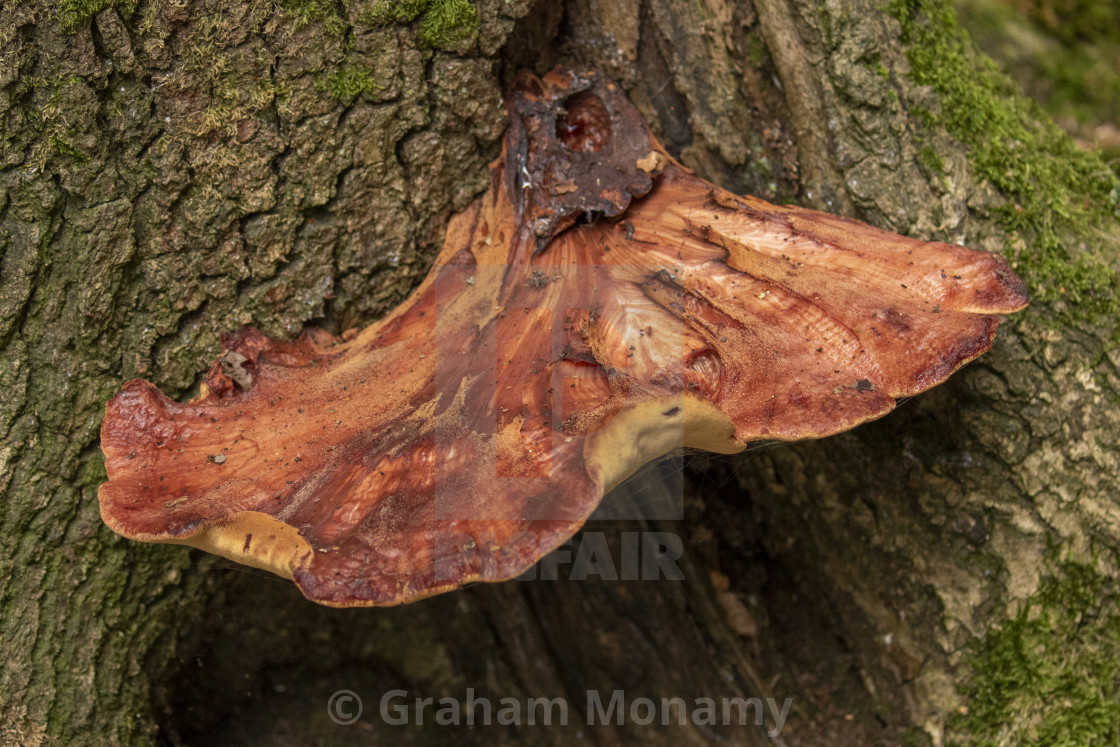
pixel 444 24
pixel 1051 674
pixel 1061 201
pixel 74 13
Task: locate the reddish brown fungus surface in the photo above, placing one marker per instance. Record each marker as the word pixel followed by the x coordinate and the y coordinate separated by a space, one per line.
pixel 542 361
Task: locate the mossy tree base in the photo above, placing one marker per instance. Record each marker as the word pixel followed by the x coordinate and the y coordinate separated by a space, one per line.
pixel 171 170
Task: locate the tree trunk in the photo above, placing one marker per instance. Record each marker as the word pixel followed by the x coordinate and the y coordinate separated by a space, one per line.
pixel 173 170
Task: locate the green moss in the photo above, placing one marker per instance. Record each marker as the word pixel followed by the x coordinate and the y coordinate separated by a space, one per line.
pixel 325 12
pixel 388 11
pixel 73 13
pixel 448 22
pixel 1058 196
pixel 60 146
pixel 348 81
pixel 932 160
pixel 444 23
pixel 49 106
pixel 1050 675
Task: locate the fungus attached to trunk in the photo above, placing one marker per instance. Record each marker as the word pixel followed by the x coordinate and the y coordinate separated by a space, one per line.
pixel 597 308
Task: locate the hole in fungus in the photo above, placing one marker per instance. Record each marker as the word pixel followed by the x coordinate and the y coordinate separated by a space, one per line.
pixel 584 125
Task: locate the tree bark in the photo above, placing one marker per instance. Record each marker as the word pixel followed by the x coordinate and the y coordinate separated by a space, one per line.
pixel 173 170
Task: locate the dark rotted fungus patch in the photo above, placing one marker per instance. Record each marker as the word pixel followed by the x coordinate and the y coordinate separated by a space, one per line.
pixel 541 362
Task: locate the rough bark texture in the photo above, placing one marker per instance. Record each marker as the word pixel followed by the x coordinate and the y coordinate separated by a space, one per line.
pixel 170 170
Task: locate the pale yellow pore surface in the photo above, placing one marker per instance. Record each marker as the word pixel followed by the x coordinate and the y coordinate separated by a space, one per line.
pixel 649 430
pixel 255 539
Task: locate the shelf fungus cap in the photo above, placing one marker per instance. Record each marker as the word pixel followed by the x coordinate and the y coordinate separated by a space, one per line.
pixel 597 308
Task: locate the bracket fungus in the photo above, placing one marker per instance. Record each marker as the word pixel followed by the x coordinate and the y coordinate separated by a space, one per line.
pixel 598 307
